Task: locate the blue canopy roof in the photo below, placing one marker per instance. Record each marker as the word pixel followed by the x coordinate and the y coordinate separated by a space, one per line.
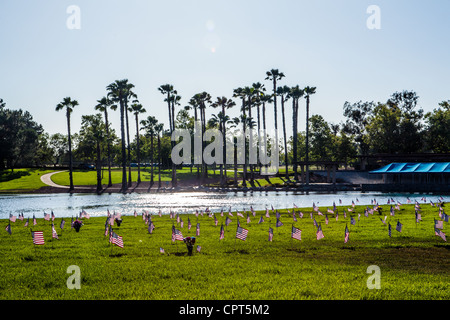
pixel 421 167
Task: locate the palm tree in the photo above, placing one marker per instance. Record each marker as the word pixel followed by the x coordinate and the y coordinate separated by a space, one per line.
pixel 150 125
pixel 137 108
pixel 307 92
pixel 102 106
pixel 259 90
pixel 194 104
pixel 68 104
pixel 202 99
pixel 295 93
pixel 240 93
pixel 283 92
pixel 274 75
pixel 158 130
pixel 129 95
pixel 225 104
pixel 167 89
pixel 117 93
pixel 265 99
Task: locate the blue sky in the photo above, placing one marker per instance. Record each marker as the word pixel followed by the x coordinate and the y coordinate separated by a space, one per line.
pixel 217 46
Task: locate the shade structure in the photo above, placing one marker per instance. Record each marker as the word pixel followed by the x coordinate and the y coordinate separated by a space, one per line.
pixel 408 167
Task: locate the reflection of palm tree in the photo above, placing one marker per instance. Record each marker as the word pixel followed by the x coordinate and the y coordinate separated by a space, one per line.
pixel 137 108
pixel 102 106
pixel 225 104
pixel 308 91
pixel 68 104
pixel 193 104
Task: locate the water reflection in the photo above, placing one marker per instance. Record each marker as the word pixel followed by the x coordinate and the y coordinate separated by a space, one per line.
pixel 66 205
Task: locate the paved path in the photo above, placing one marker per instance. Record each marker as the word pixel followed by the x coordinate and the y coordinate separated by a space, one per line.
pixel 46 178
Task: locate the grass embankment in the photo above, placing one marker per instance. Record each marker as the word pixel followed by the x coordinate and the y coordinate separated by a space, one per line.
pixel 22 179
pixel 413 263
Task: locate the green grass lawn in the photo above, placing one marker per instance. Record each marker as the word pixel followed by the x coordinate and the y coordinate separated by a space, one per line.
pixel 413 264
pixel 22 179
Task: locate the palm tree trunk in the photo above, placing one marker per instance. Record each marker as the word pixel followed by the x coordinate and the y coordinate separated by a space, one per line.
pixel 284 136
pixel 128 146
pixel 124 157
pixel 151 158
pixel 224 153
pixel 70 152
pixel 138 151
pixel 108 146
pixel 159 162
pixel 99 169
pixel 294 136
pixel 307 141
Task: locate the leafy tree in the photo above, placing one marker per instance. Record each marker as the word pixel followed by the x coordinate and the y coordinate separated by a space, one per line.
pixel 437 131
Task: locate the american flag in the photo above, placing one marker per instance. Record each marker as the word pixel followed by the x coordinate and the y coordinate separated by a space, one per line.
pixel 115 238
pixel 8 228
pixel 21 216
pixel 46 216
pixel 279 223
pixel 199 248
pixel 34 221
pixel 261 220
pixel 215 220
pixel 296 233
pixel 239 214
pixel 222 232
pixel 161 250
pixel 151 227
pixel 53 216
pixel 418 216
pixel 38 237
pixel 241 233
pixel 352 221
pixel 399 226
pixel 270 234
pixel 319 234
pixel 294 217
pixel 438 224
pixel 189 224
pixel 61 226
pixel 176 234
pixel 181 223
pixel 440 234
pixel 12 218
pixel 26 223
pixel 392 211
pixel 248 218
pixel 326 218
pixel 227 221
pixel 347 234
pixel 389 229
pixel 337 216
pixel 267 213
pixel 54 233
pixel 197 232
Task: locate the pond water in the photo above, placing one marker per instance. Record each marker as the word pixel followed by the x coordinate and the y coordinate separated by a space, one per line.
pixel 66 205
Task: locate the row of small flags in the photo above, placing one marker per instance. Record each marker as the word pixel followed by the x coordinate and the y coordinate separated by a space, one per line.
pixel 241 233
